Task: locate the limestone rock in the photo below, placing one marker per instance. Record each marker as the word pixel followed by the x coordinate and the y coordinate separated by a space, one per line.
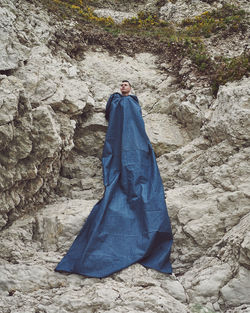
pixel 57 226
pixel 167 11
pixel 233 248
pixel 31 155
pixel 181 9
pixel 205 282
pixel 10 92
pixel 104 74
pixel 90 136
pixel 188 107
pixel 117 16
pixel 83 174
pixel 230 118
pixel 12 52
pixel 236 291
pixel 57 85
pixel 164 134
pixel 6 135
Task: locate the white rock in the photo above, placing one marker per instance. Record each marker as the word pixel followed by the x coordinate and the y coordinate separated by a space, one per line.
pixel 117 16
pixel 236 292
pixel 165 135
pixel 230 119
pixel 12 52
pixel 181 9
pixel 57 225
pixel 10 89
pixel 206 279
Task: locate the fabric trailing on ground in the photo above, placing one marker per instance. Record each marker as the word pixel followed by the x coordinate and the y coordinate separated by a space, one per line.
pixel 130 224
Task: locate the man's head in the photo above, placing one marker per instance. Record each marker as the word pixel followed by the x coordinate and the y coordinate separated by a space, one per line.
pixel 125 88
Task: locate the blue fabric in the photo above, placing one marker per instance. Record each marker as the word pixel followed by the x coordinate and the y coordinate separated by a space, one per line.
pixel 130 223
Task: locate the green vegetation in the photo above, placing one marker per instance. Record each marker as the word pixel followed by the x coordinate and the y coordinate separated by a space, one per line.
pixel 229 70
pixel 173 42
pixel 145 20
pixel 228 18
pixel 76 9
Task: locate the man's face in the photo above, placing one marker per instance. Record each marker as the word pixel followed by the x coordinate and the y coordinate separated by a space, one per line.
pixel 125 88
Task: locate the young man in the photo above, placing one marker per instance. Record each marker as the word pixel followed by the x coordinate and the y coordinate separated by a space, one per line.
pixel 125 88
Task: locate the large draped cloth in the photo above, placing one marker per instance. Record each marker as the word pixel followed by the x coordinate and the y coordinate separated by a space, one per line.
pixel 130 223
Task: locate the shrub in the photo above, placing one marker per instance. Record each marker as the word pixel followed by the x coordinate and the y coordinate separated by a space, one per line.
pixel 229 69
pixel 228 18
pixel 144 20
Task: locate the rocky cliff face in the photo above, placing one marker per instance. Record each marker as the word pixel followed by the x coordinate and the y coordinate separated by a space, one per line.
pixel 52 129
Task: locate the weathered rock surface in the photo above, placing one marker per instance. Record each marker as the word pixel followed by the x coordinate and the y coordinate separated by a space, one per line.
pixel 29 283
pixel 52 129
pixel 117 16
pixel 33 142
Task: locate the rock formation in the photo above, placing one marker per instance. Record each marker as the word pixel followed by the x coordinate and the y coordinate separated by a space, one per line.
pixel 52 129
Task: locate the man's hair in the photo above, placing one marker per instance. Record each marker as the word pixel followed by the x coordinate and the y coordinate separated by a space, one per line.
pixel 126 81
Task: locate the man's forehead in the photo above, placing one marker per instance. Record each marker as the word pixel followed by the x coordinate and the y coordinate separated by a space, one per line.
pixel 124 83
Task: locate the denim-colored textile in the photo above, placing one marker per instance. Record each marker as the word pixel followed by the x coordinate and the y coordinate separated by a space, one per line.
pixel 130 223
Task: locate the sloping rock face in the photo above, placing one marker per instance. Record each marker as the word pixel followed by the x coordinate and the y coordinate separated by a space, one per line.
pixel 52 129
